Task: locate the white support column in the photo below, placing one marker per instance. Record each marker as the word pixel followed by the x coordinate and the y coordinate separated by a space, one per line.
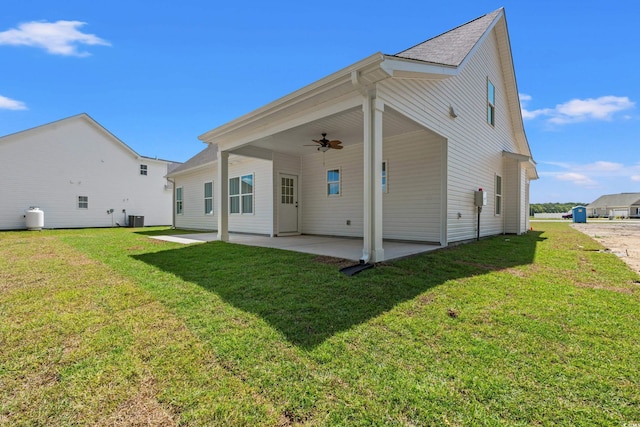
pixel 223 195
pixel 372 250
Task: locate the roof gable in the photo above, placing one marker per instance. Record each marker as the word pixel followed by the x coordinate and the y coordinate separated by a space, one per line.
pixel 614 200
pixel 205 157
pixel 454 46
pixel 91 122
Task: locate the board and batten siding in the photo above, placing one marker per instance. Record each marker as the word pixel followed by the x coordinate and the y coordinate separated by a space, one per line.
pixel 474 146
pixel 192 183
pixel 411 207
pixel 50 166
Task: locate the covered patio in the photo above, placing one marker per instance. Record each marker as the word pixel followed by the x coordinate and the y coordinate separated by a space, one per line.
pixel 338 247
pixel 376 130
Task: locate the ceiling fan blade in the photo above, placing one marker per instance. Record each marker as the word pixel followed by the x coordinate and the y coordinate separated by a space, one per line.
pixel 335 144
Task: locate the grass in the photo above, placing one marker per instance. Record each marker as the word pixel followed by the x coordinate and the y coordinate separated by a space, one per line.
pixel 109 327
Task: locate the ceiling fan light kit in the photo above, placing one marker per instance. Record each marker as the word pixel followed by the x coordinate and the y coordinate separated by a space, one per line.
pixel 325 144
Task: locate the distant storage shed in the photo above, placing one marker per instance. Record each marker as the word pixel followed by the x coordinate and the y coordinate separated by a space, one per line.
pixel 611 205
pixel 80 175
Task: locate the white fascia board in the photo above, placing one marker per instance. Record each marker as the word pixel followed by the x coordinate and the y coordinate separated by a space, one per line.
pixel 191 170
pixel 412 69
pixel 293 98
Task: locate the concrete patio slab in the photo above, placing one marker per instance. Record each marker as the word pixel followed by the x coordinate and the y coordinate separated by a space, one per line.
pixel 338 247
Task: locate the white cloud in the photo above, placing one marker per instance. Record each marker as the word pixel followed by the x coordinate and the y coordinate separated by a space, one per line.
pixel 579 110
pixel 576 178
pixel 603 167
pixel 591 175
pixel 11 104
pixel 57 38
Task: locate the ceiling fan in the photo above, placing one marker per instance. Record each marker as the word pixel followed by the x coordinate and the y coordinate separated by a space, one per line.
pixel 325 144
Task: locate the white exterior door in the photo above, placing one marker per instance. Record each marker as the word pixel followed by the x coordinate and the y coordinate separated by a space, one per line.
pixel 288 204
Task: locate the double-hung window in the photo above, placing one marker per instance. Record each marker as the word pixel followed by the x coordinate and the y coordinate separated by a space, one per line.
pixel 83 202
pixel 143 169
pixel 241 194
pixel 385 177
pixel 498 195
pixel 333 182
pixel 179 200
pixel 208 198
pixel 491 103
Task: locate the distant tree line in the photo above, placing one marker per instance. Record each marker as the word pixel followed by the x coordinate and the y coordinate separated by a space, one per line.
pixel 553 207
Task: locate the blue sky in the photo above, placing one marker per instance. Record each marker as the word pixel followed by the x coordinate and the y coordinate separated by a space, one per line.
pixel 159 73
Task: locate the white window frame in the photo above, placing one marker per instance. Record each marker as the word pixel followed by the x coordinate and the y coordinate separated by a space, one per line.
pixel 334 182
pixel 491 103
pixel 498 198
pixel 208 198
pixel 82 204
pixel 242 195
pixel 385 176
pixel 144 170
pixel 179 207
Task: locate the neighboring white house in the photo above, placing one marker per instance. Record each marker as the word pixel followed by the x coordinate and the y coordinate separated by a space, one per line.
pixel 615 205
pixel 80 175
pixel 422 131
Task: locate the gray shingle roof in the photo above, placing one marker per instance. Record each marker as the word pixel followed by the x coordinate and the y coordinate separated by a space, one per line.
pixel 208 155
pixel 452 47
pixel 616 200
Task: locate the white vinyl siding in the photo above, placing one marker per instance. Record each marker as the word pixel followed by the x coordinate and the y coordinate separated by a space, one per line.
pixel 194 217
pixel 328 215
pixel 51 165
pixel 474 150
pixel 411 211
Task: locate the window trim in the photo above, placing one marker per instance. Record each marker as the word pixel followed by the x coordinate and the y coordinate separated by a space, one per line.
pixel 339 182
pixel 79 202
pixel 144 169
pixel 179 205
pixel 498 195
pixel 208 198
pixel 491 103
pixel 240 195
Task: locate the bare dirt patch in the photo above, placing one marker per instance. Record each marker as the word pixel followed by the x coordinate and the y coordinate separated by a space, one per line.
pixel 621 238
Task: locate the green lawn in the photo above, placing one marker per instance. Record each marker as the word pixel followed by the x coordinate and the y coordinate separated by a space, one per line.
pixel 109 327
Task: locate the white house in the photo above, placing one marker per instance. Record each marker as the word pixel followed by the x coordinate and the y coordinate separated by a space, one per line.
pixel 80 175
pixel 625 205
pixel 421 132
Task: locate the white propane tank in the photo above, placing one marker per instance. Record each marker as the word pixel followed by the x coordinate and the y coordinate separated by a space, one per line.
pixel 35 218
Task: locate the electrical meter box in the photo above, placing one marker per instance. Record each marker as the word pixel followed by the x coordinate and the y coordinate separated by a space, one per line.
pixel 480 198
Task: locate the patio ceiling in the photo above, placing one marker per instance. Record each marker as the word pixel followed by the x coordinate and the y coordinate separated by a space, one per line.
pixel 346 126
